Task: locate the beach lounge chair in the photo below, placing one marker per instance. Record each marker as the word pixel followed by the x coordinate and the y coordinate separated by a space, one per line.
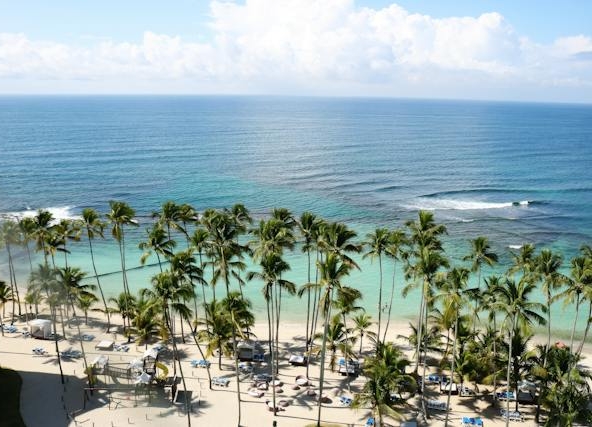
pixel 436 405
pixel 345 401
pixel 220 381
pixel 301 380
pixel 472 421
pixel 297 360
pixel 256 393
pixel 258 357
pixel 370 422
pixel 433 379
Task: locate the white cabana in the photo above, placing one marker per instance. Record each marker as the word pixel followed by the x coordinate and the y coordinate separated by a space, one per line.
pixel 247 350
pixel 40 328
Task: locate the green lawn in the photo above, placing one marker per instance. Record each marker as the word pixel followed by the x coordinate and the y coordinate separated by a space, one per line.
pixel 10 393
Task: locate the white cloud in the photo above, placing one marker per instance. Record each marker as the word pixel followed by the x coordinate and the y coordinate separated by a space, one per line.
pixel 313 46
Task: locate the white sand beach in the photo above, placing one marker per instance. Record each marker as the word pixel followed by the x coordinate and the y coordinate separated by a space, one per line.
pixel 46 402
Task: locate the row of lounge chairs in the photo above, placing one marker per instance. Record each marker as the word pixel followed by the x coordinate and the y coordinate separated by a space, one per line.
pixel 11 329
pixel 506 395
pixel 345 401
pixel 512 415
pixel 71 354
pixel 121 347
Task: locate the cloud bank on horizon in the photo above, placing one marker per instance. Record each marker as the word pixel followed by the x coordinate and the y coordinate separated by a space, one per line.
pixel 313 47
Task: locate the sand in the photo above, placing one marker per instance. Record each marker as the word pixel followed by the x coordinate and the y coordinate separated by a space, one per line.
pixel 46 402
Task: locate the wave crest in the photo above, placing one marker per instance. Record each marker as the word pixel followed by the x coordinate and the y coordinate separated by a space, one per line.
pixel 58 213
pixel 430 204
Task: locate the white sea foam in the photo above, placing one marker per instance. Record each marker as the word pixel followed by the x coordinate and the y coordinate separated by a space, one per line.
pixel 58 213
pixel 461 205
pixel 515 247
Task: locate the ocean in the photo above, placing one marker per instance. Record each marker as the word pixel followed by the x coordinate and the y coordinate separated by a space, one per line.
pixel 514 172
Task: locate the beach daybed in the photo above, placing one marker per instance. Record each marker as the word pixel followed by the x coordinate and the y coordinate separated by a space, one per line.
pixel 104 345
pixel 301 380
pixel 471 421
pixel 512 415
pixel 436 405
pixel 199 363
pixel 345 401
pixel 39 351
pixel 220 381
pixel 297 359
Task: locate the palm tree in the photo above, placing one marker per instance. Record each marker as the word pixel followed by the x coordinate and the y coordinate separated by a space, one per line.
pixel 43 225
pixel 169 217
pixel 5 296
pixel 157 241
pixel 85 302
pixel 124 305
pixel 239 310
pixel 10 235
pixel 94 227
pixel 377 243
pixel 480 254
pixel 546 267
pixel 332 271
pixel 309 227
pixel 524 260
pixel 66 230
pixel 121 215
pixel 568 394
pixel 362 324
pixel 452 297
pixel 386 379
pixel 337 339
pixel 183 265
pixel 218 331
pixel 27 227
pixel 272 267
pixel 578 283
pixel 490 300
pixel 514 300
pixel 168 294
pixel 145 320
pixel 44 280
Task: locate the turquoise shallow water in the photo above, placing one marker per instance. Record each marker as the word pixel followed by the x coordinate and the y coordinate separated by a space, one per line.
pixel 514 172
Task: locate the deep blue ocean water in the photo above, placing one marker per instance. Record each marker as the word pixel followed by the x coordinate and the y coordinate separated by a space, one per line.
pixel 513 172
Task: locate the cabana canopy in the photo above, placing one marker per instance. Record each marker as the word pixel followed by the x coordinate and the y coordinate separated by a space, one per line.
pixel 40 328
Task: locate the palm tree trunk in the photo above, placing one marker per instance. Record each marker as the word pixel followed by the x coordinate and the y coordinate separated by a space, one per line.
pixel 388 320
pixel 509 370
pixel 203 357
pixel 55 340
pixel 92 258
pixel 175 361
pixel 548 323
pixel 418 334
pixel 379 298
pixel 581 346
pixel 494 358
pixel 452 367
pixel 86 371
pixel 307 336
pixel 12 274
pixel 273 354
pixel 573 329
pixel 323 353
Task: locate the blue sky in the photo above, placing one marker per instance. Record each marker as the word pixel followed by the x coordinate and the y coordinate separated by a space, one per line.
pixel 479 49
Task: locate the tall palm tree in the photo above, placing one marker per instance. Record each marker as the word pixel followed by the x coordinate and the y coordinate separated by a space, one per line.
pixel 580 278
pixel 332 271
pixel 217 332
pixel 377 243
pixel 10 235
pixel 452 297
pixel 120 216
pixel 125 306
pixel 239 309
pixel 309 227
pixel 169 294
pixel 490 300
pixel 94 227
pixel 66 230
pixel 546 267
pixel 169 217
pixel 521 311
pixel 43 279
pixel 272 267
pixel 480 254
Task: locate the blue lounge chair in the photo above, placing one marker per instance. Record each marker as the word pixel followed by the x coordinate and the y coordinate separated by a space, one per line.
pixel 370 422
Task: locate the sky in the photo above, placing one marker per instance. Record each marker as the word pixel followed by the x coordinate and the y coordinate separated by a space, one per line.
pixel 518 50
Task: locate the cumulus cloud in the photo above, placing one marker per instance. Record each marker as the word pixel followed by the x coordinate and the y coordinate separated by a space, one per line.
pixel 286 46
